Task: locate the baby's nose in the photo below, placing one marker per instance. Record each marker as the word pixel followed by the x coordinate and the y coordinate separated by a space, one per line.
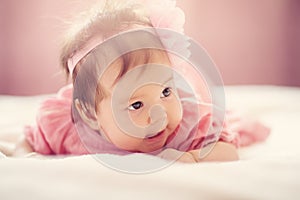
pixel 157 113
pixel 158 120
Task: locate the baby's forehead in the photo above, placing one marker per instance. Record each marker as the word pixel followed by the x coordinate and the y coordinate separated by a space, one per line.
pixel 129 61
pixel 152 64
pixel 146 60
pixel 146 56
pixel 141 77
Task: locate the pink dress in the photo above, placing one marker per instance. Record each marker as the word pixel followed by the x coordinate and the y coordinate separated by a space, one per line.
pixel 55 133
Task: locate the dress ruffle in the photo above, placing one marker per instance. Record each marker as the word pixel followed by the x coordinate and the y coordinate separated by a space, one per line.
pixel 55 132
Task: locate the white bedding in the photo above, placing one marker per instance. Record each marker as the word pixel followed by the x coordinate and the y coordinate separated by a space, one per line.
pixel 269 170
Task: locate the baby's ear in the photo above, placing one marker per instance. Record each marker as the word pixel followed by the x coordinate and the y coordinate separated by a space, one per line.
pixel 85 114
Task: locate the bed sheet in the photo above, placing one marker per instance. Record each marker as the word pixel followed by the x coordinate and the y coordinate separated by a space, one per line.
pixel 269 170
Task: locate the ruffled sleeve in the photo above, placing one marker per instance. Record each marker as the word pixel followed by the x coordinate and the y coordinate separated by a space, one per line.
pixel 54 132
pixel 242 131
pixel 237 130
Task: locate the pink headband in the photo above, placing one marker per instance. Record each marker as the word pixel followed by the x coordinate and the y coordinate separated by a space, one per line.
pixel 78 55
pixel 162 14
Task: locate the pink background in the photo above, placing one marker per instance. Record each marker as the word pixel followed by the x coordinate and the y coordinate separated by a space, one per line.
pixel 251 41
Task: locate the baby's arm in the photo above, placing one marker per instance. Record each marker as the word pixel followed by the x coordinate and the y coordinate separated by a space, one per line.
pixel 221 151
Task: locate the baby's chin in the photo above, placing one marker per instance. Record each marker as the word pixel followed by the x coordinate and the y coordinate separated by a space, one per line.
pixel 150 144
pixel 147 145
pixel 155 143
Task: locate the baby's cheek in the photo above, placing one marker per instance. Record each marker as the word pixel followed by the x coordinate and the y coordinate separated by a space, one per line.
pixel 175 113
pixel 126 142
pixel 139 118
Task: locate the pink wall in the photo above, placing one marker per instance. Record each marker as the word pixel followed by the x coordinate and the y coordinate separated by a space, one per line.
pixel 251 41
pixel 294 42
pixel 2 14
pixel 32 32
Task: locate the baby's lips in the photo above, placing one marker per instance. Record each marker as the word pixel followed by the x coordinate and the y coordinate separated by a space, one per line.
pixel 154 135
pixel 155 127
pixel 158 123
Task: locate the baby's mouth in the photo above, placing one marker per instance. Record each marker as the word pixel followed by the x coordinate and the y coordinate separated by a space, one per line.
pixel 155 135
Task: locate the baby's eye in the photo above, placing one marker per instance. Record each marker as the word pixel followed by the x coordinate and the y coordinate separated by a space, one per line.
pixel 166 92
pixel 136 105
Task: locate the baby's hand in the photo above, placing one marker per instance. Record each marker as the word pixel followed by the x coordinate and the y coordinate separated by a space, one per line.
pixel 187 157
pixel 173 154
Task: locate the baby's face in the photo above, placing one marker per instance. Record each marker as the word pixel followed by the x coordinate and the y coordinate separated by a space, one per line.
pixel 161 95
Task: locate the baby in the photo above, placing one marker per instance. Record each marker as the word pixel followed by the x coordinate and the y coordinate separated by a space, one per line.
pixel 125 96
